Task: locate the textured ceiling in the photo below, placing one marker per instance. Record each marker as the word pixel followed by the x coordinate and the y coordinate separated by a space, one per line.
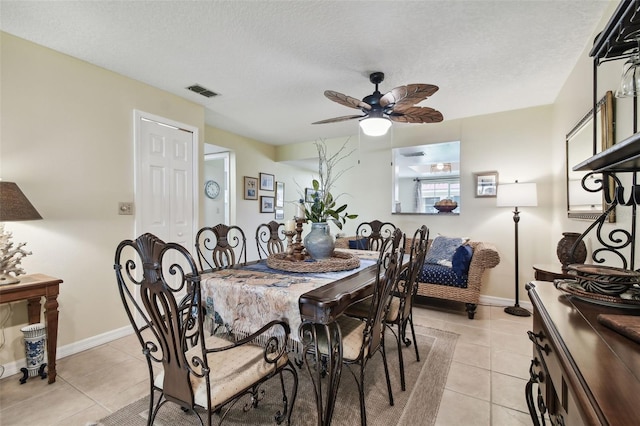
pixel 271 61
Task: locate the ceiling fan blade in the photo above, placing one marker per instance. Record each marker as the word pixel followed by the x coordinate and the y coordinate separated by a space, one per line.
pixel 404 97
pixel 347 101
pixel 416 115
pixel 337 119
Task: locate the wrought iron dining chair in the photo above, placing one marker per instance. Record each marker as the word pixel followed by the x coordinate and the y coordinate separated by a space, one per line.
pixel 270 239
pixel 373 234
pixel 362 339
pixel 400 312
pixel 401 308
pixel 221 246
pixel 160 289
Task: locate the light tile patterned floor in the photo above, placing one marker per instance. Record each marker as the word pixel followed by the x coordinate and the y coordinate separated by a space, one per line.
pixel 485 385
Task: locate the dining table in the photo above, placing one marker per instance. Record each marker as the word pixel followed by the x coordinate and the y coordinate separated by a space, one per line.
pixel 240 299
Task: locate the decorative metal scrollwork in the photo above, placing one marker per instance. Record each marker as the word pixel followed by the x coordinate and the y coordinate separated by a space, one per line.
pixel 535 378
pixel 617 242
pixel 534 338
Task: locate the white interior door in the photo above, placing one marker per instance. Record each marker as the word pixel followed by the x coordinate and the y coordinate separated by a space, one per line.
pixel 166 173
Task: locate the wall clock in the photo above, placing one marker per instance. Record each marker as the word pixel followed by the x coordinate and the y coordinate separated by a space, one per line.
pixel 211 189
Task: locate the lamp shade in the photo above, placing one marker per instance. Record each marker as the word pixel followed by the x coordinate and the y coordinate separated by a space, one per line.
pixel 14 205
pixel 517 195
pixel 375 126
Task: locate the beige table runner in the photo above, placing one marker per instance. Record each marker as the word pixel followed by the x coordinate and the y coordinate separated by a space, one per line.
pixel 241 300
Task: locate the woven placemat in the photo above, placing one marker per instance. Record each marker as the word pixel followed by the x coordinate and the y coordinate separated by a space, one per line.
pixel 340 261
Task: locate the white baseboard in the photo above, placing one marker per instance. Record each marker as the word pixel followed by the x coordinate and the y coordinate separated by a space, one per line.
pixel 82 345
pixel 73 348
pixel 500 301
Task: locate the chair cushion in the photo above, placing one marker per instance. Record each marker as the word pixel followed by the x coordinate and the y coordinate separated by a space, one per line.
pixel 442 275
pixel 394 309
pixel 352 331
pixel 359 244
pixel 231 371
pixel 442 249
pixel 462 259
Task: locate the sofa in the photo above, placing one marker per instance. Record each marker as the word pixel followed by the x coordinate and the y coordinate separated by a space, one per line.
pixel 441 281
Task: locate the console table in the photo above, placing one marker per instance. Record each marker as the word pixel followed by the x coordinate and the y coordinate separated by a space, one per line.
pixel 33 288
pixel 586 373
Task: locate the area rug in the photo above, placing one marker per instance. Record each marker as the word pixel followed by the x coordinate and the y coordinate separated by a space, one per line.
pixel 417 405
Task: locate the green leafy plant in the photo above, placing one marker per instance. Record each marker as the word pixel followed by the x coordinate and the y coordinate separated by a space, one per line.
pixel 324 207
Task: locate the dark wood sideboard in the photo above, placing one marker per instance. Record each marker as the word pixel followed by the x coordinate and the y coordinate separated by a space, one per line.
pixel 586 373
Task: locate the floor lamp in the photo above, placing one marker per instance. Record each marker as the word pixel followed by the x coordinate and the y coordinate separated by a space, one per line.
pixel 517 195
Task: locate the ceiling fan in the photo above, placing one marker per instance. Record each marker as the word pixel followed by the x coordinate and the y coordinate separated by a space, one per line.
pixel 396 105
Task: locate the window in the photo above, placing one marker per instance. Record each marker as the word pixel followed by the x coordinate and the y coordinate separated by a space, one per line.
pixel 434 191
pixel 424 175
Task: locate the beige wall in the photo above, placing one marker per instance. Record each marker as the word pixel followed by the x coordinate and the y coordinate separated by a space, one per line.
pixel 251 159
pixel 574 100
pixel 527 144
pixel 515 143
pixel 66 139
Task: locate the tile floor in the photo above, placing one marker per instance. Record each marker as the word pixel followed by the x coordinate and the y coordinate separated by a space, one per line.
pixel 485 385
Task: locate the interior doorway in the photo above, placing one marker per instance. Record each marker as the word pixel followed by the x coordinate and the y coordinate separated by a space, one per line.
pixel 216 174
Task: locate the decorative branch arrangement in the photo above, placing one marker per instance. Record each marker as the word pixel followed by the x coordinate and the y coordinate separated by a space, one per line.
pixel 10 257
pixel 323 208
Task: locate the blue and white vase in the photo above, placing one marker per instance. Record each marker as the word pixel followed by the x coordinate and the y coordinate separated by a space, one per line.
pixel 34 347
pixel 319 242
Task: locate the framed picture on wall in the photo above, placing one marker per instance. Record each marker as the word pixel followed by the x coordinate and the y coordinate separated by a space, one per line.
pixel 279 194
pixel 486 184
pixel 250 188
pixel 267 182
pixel 266 204
pixel 279 214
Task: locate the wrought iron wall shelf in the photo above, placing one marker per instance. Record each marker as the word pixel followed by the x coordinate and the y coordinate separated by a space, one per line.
pixel 624 156
pixel 618 40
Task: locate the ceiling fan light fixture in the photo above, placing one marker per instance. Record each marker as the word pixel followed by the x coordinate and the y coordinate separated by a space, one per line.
pixel 375 126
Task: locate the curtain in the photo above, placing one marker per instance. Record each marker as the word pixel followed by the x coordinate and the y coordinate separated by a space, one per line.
pixel 418 205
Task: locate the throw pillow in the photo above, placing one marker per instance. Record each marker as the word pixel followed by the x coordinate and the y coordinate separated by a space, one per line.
pixel 359 244
pixel 442 250
pixel 462 259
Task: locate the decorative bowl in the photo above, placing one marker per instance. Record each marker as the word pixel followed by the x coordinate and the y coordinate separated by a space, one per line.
pixel 445 206
pixel 604 279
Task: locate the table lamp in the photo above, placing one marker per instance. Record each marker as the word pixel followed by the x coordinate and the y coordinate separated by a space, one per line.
pixel 14 206
pixel 517 195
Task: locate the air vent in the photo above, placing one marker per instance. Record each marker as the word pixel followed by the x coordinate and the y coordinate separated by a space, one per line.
pixel 414 154
pixel 202 91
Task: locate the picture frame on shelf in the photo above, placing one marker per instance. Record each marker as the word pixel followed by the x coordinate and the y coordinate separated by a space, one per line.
pixel 267 204
pixel 309 194
pixel 250 188
pixel 279 214
pixel 486 184
pixel 267 182
pixel 279 194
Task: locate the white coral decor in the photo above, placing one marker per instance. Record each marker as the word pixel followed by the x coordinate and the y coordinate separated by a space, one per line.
pixel 10 258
